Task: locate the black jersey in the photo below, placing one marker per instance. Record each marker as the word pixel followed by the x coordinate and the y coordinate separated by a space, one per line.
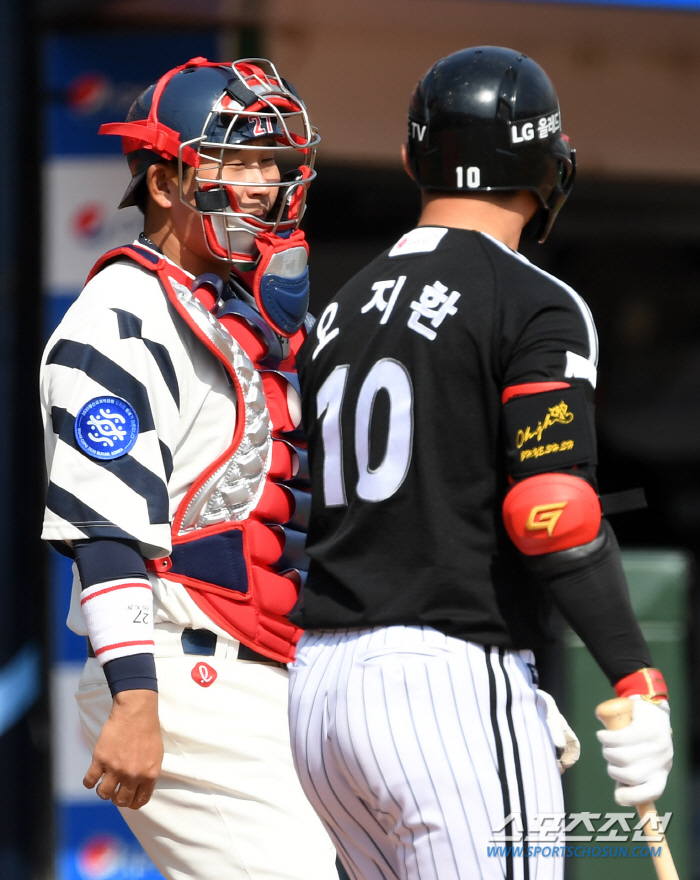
pixel 402 380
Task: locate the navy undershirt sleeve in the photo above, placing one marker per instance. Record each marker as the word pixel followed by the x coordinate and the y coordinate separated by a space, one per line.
pixel 110 559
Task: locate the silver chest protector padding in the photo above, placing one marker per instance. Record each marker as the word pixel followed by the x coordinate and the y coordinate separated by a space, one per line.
pixel 233 490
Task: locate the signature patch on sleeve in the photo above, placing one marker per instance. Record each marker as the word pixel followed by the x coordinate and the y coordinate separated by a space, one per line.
pixel 106 427
pixel 549 431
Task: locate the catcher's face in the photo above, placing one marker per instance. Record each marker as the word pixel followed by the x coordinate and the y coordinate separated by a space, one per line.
pixel 249 176
pixel 237 190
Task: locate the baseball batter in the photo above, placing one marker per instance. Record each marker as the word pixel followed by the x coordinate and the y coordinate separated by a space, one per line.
pixel 171 418
pixel 448 398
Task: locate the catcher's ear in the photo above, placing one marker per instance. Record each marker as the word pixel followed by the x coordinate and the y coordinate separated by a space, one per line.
pixel 162 184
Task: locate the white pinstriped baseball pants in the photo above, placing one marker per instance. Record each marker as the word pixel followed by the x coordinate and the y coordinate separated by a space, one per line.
pixel 413 746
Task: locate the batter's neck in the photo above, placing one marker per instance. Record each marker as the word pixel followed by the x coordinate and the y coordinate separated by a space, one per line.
pixel 502 216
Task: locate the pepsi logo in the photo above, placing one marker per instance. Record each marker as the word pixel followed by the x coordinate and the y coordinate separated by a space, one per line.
pixel 99 858
pixel 204 675
pixel 88 93
pixel 88 220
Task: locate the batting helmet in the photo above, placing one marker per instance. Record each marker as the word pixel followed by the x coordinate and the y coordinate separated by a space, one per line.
pixel 214 107
pixel 487 119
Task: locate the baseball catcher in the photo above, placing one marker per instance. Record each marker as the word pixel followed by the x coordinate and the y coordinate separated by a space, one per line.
pixel 177 481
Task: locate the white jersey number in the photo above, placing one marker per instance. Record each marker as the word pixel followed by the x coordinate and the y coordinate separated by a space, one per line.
pixel 373 484
pixel 472 178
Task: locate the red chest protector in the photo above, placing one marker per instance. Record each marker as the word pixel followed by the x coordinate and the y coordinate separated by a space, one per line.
pixel 238 535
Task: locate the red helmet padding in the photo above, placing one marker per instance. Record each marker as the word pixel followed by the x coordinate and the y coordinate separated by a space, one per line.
pixel 551 512
pixel 278 101
pixel 251 71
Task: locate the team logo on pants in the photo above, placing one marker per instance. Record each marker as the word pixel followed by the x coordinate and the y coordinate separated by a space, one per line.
pixel 203 674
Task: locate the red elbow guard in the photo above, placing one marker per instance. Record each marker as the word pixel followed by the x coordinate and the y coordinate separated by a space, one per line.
pixel 551 512
pixel 648 683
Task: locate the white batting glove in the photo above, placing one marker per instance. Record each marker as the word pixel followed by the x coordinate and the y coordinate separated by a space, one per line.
pixel 640 755
pixel 565 740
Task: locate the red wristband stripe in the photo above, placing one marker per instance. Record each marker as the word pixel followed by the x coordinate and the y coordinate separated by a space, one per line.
pixel 138 584
pixel 644 682
pixel 99 651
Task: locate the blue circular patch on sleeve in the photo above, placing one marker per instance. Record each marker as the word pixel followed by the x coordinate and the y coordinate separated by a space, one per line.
pixel 106 428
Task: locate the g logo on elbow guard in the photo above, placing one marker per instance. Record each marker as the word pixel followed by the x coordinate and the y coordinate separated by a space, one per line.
pixel 545 516
pixel 551 512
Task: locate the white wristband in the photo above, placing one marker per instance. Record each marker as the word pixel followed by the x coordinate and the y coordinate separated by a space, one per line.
pixel 119 618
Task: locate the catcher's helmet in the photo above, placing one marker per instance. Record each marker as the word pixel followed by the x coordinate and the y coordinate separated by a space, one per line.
pixel 213 107
pixel 488 119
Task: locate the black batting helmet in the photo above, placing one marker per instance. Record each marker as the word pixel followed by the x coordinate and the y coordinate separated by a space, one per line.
pixel 487 119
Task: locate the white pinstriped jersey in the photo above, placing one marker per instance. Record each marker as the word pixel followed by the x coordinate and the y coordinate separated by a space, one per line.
pixel 122 338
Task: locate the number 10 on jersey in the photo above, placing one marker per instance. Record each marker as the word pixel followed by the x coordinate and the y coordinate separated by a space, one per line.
pixel 373 484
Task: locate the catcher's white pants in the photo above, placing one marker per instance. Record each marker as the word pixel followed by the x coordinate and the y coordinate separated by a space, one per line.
pixel 413 747
pixel 228 804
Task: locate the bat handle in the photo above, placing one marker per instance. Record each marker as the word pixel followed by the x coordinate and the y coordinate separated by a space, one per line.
pixel 616 714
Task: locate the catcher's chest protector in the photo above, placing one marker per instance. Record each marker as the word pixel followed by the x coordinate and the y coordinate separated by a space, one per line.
pixel 238 535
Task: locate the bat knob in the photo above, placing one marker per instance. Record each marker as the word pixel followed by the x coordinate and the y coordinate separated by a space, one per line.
pixel 615 714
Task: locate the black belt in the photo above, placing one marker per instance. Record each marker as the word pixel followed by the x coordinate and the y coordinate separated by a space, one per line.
pixel 202 642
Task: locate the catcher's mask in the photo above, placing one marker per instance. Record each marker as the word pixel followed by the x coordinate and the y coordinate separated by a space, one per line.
pixel 197 112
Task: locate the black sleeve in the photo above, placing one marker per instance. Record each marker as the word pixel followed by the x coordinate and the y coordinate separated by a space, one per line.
pixel 553 340
pixel 589 587
pixel 547 331
pixel 105 559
